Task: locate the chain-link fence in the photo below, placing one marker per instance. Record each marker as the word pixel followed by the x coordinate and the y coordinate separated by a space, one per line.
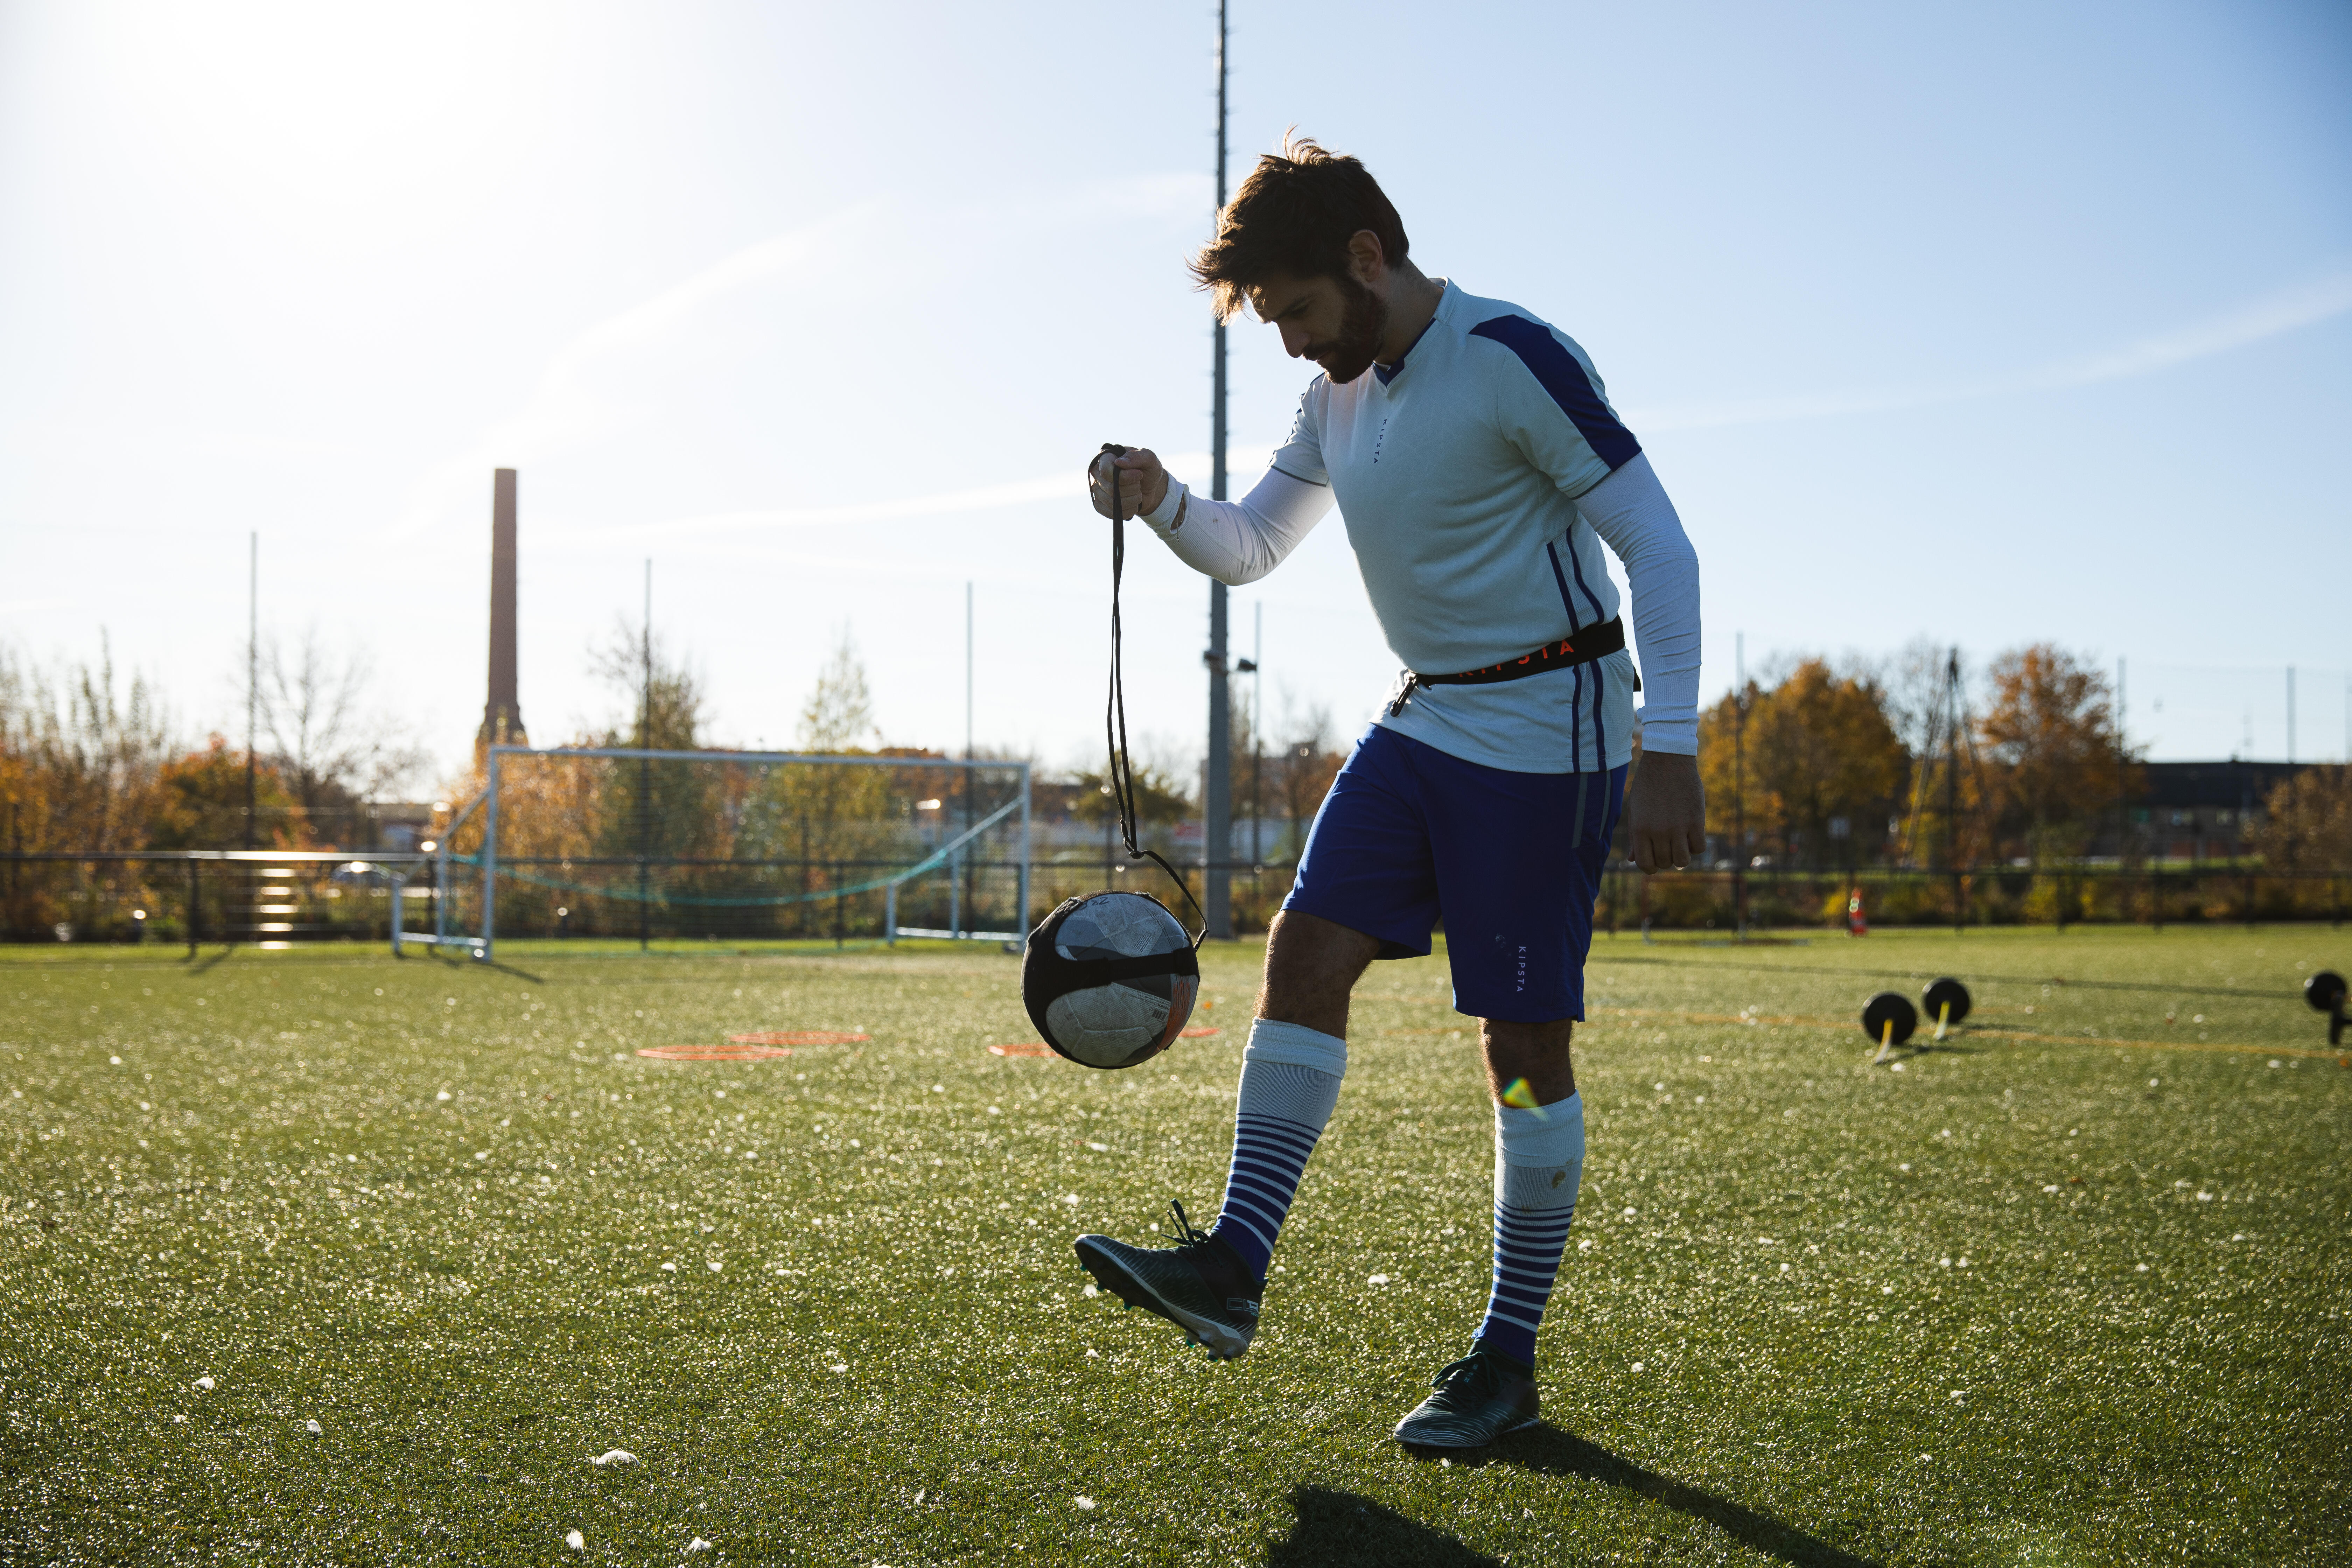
pixel 983 888
pixel 2059 895
pixel 272 898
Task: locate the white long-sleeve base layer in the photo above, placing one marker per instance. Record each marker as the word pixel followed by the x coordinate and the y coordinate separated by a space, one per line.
pixel 1479 478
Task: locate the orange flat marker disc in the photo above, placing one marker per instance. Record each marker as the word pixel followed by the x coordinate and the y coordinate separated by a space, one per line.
pixel 798 1037
pixel 1200 1034
pixel 713 1053
pixel 1025 1048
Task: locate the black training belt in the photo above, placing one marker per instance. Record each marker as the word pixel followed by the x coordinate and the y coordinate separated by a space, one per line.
pixel 1586 647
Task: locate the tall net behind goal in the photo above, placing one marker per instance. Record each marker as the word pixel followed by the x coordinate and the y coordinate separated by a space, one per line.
pixel 578 844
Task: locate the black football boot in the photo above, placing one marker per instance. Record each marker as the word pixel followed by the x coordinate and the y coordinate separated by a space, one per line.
pixel 1478 1398
pixel 1201 1284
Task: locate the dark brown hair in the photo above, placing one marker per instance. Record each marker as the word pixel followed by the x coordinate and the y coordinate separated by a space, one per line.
pixel 1294 216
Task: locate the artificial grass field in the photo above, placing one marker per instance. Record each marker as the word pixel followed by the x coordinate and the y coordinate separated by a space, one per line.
pixel 2071 1289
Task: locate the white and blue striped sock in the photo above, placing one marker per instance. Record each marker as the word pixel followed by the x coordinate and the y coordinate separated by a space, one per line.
pixel 1290 1081
pixel 1538 1165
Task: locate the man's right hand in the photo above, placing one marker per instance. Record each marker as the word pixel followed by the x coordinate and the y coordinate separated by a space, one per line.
pixel 1142 482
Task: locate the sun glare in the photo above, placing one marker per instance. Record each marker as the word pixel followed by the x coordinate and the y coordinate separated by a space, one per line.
pixel 338 121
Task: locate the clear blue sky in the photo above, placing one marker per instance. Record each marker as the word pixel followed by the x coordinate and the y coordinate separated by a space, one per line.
pixel 1989 323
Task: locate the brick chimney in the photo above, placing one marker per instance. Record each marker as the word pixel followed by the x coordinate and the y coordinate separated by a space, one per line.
pixel 502 715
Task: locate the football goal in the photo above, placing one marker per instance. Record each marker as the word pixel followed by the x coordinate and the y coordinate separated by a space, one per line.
pixel 580 842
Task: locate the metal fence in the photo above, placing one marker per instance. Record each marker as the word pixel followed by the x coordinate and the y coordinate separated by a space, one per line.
pixel 280 897
pixel 266 897
pixel 2053 895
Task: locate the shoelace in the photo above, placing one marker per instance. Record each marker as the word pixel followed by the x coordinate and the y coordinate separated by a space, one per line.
pixel 1473 1372
pixel 1186 1233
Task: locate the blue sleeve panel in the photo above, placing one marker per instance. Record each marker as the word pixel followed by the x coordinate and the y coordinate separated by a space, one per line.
pixel 1561 374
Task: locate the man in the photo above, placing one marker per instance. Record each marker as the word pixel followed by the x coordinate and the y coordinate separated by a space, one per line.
pixel 1479 468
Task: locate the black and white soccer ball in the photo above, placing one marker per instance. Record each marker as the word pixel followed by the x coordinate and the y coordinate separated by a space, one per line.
pixel 1110 981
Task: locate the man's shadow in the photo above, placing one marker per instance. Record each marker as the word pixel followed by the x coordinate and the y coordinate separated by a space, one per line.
pixel 1335 1526
pixel 1548 1450
pixel 1341 1527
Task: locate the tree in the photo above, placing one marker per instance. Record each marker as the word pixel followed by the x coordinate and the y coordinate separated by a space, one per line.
pixel 823 816
pixel 1159 798
pixel 841 813
pixel 78 758
pixel 200 804
pixel 838 717
pixel 656 810
pixel 2050 734
pixel 1819 749
pixel 1926 685
pixel 1300 770
pixel 1737 800
pixel 2307 823
pixel 662 697
pixel 1911 686
pixel 333 754
pixel 554 808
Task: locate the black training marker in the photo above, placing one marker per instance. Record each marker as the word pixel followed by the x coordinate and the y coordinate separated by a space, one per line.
pixel 1888 1018
pixel 2324 991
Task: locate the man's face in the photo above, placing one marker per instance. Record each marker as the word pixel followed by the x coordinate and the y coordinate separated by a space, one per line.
pixel 1337 322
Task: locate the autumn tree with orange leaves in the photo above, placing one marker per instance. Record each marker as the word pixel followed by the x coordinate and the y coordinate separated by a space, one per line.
pixel 1818 747
pixel 2307 824
pixel 2056 764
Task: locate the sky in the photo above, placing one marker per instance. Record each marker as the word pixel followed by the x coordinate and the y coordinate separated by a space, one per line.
pixel 1986 325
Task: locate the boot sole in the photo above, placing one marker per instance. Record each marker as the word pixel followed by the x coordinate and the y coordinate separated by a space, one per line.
pixel 1213 1337
pixel 1521 1424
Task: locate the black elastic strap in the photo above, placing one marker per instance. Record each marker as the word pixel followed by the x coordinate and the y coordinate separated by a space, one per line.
pixel 1122 770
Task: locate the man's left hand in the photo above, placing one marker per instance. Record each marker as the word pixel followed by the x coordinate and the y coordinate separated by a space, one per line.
pixel 1665 812
pixel 1142 482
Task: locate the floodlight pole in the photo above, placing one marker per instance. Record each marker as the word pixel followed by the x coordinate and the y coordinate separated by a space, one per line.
pixel 1257 732
pixel 1952 786
pixel 2291 801
pixel 959 875
pixel 645 764
pixel 1216 847
pixel 2123 806
pixel 252 677
pixel 1740 784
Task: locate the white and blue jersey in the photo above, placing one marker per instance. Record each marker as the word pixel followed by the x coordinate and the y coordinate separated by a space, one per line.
pixel 1479 477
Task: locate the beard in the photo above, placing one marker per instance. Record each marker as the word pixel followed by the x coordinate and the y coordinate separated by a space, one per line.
pixel 1363 323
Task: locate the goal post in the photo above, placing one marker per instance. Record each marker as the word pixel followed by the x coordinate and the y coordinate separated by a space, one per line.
pixel 627 842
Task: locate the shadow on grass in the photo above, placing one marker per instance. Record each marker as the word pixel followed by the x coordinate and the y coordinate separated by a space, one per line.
pixel 1947 1050
pixel 1341 1527
pixel 446 962
pixel 1549 1451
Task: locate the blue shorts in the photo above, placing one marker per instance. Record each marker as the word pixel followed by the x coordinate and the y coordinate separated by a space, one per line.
pixel 1511 861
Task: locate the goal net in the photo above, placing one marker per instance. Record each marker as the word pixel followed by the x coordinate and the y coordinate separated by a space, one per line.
pixel 581 843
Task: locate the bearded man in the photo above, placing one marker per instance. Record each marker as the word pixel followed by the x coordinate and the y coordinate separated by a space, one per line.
pixel 1480 469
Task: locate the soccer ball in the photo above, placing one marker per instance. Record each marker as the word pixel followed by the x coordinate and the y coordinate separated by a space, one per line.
pixel 1109 980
